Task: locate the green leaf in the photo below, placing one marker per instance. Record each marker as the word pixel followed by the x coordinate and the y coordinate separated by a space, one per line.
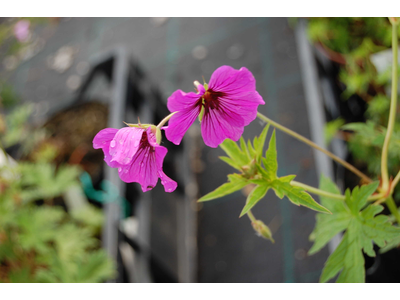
pixel 329 226
pixel 234 185
pixel 97 268
pixel 251 150
pixel 234 152
pixel 362 227
pixel 244 147
pixel 255 195
pixel 230 162
pixel 348 257
pixel 331 128
pixel 259 143
pixel 296 195
pixel 271 158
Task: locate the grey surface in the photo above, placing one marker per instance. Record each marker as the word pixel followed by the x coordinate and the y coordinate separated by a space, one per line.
pixel 228 249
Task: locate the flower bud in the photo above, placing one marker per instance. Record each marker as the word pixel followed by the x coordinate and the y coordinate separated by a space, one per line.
pixel 262 230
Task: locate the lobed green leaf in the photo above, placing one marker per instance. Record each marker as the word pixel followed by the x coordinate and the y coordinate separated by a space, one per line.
pixel 234 152
pixel 363 227
pixel 255 195
pixel 225 189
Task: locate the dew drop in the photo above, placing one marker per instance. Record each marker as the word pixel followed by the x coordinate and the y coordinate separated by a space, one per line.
pixel 112 144
pixel 142 164
pixel 119 169
pixel 120 141
pixel 126 171
pixel 126 160
pixel 146 155
pixel 136 143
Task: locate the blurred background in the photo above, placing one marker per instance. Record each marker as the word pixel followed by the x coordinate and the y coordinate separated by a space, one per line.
pixel 66 217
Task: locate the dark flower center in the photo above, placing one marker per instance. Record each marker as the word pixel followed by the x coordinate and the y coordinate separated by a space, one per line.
pixel 211 100
pixel 144 143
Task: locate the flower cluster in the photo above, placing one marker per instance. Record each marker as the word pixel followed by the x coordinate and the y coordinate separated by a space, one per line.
pixel 224 106
pixel 136 154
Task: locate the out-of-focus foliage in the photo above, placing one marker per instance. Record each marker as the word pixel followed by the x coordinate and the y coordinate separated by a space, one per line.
pixel 42 239
pixel 345 35
pixel 351 42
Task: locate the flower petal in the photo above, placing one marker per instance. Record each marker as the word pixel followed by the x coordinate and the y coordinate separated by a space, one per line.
pixel 104 136
pixel 239 91
pixel 151 137
pixel 125 144
pixel 243 105
pixel 188 110
pixel 180 100
pixel 102 140
pixel 142 169
pixel 169 184
pixel 228 80
pixel 216 126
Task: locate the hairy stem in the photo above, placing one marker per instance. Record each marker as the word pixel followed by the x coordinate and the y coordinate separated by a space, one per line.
pixel 312 144
pixel 319 192
pixel 251 216
pixel 392 113
pixel 165 120
pixel 393 208
pixel 316 191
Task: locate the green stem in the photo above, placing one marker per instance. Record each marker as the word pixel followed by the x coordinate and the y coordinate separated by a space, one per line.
pixel 251 216
pixel 395 182
pixel 165 120
pixel 312 144
pixel 392 113
pixel 393 208
pixel 316 191
pixel 319 192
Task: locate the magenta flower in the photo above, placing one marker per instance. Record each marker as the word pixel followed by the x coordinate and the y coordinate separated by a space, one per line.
pixel 230 102
pixel 21 30
pixel 136 154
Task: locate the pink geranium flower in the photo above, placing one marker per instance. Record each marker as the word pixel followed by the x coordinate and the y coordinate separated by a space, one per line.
pixel 136 154
pixel 230 102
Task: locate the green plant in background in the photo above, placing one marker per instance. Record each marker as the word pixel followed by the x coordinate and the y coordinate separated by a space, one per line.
pixel 48 230
pixel 352 42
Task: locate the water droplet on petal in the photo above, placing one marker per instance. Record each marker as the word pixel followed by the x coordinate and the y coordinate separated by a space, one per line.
pixel 126 171
pixel 120 141
pixel 146 155
pixel 142 164
pixel 112 144
pixel 119 169
pixel 126 160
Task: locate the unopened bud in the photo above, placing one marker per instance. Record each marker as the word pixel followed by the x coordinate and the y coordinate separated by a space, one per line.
pixel 262 230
